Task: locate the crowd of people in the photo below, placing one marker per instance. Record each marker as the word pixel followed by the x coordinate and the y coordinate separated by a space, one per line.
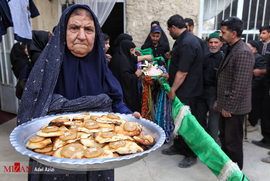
pixel 220 84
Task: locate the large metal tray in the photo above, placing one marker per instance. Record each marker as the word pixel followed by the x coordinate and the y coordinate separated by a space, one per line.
pixel 22 133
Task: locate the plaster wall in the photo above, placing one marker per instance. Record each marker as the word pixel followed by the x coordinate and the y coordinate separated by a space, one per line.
pixel 48 17
pixel 140 14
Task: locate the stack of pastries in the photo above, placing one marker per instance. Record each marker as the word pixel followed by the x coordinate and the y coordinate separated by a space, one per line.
pixel 88 136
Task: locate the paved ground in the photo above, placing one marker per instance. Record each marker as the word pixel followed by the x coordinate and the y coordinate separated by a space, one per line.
pixel 154 167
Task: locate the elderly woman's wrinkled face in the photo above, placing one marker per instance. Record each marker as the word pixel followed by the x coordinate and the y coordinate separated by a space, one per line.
pixel 80 34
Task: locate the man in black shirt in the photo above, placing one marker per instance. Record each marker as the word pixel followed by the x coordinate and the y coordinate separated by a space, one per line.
pixel 190 26
pixel 159 48
pixel 185 78
pixel 205 103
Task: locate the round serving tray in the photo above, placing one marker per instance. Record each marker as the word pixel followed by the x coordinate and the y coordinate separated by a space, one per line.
pixel 22 133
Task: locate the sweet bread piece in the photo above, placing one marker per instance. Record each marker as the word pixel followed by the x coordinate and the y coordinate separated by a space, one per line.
pixel 81 117
pixel 69 135
pixel 144 139
pixel 103 127
pixel 83 134
pixel 50 153
pixel 123 147
pixel 60 121
pixel 129 129
pixel 58 143
pixel 68 150
pixel 76 123
pixel 94 117
pixel 110 118
pixel 95 152
pixel 90 142
pixel 36 139
pixel 105 137
pixel 46 149
pixel 51 134
pixel 40 144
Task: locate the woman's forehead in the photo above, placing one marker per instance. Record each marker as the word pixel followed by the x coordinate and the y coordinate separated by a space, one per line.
pixel 80 19
pixel 81 12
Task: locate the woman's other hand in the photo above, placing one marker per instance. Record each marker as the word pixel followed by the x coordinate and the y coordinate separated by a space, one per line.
pixel 168 55
pixel 109 57
pixel 138 52
pixel 136 115
pixel 148 57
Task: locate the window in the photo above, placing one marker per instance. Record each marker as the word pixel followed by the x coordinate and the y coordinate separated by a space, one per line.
pixel 254 14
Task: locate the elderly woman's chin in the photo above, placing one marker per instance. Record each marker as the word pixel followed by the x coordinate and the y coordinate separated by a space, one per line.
pixel 80 51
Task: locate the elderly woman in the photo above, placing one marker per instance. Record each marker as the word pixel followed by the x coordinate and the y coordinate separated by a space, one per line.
pixel 72 75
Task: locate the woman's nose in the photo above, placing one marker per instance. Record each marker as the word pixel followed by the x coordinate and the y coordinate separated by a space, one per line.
pixel 81 34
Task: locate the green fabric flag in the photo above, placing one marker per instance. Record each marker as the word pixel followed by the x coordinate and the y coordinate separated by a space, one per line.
pixel 201 143
pixel 149 51
pixel 169 62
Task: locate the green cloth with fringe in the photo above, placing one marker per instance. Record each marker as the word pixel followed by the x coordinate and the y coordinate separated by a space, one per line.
pixel 201 143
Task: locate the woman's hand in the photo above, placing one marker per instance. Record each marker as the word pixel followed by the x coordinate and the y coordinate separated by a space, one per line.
pixel 148 57
pixel 166 76
pixel 136 115
pixel 109 57
pixel 138 72
pixel 168 55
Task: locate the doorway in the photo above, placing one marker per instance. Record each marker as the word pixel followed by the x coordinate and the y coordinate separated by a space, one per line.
pixel 115 23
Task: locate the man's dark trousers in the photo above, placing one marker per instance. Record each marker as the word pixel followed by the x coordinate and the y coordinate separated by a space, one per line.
pixel 178 142
pixel 231 137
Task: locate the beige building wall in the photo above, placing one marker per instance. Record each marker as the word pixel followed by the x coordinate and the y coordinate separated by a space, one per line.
pixel 48 17
pixel 140 14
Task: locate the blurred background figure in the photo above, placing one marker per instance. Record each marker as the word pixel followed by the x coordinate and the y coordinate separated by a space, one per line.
pixel 119 38
pixel 39 41
pixel 163 37
pixel 125 71
pixel 257 87
pixel 107 46
pixel 190 26
pixel 205 102
pixel 21 65
pixel 159 47
pixel 23 57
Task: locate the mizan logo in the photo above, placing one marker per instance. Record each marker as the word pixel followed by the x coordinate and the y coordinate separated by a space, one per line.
pixel 17 168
